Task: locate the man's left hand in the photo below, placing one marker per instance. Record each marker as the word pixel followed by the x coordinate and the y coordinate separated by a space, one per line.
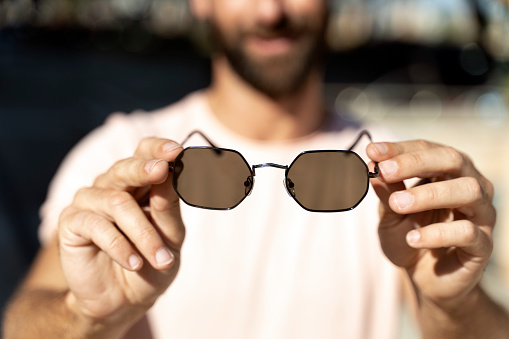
pixel 439 230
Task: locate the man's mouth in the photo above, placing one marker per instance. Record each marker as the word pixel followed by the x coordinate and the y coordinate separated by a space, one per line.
pixel 264 45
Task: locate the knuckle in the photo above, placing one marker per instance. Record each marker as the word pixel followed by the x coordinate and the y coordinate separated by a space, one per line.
pixel 489 190
pixel 80 195
pixel 116 171
pixel 174 205
pixel 66 213
pixel 474 188
pixel 423 144
pixel 432 193
pixel 120 199
pixel 72 216
pixel 145 145
pixel 92 221
pixel 116 243
pixel 455 157
pixel 416 160
pixel 492 216
pixel 146 141
pixel 99 179
pixel 78 226
pixel 469 231
pixel 161 205
pixel 66 217
pixel 147 235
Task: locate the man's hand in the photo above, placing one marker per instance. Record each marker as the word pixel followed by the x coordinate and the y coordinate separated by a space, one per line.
pixel 440 230
pixel 120 239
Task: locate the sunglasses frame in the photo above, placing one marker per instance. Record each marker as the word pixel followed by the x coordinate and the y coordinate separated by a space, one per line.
pixel 368 176
pixel 249 183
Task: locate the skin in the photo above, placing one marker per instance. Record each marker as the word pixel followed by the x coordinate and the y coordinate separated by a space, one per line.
pixel 250 112
pixel 119 242
pixel 440 232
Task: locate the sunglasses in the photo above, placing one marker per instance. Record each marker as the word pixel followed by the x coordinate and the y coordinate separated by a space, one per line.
pixel 319 180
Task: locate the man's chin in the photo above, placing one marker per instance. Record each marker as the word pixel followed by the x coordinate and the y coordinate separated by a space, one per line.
pixel 275 80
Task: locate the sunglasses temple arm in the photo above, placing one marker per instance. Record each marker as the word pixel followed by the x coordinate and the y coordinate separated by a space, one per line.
pixel 359 137
pixel 200 134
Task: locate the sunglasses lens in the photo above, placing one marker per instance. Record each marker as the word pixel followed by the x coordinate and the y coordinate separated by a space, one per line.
pixel 328 180
pixel 211 177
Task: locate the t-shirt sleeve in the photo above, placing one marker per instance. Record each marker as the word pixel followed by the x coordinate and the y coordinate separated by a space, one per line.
pixel 117 138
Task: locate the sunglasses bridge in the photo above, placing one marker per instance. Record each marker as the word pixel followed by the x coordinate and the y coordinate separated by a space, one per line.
pixel 269 164
pixel 289 185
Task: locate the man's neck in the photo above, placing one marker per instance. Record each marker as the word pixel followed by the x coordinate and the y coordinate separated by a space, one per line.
pixel 256 115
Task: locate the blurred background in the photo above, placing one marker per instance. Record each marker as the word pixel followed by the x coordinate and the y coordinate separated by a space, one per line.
pixel 434 69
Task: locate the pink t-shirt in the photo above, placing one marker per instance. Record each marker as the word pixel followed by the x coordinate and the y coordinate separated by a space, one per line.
pixel 266 269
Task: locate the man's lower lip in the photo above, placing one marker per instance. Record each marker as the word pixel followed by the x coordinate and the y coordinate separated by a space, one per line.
pixel 271 46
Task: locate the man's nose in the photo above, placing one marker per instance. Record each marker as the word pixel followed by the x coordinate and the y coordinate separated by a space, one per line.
pixel 269 12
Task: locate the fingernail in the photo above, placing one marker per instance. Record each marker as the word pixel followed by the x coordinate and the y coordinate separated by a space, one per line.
pixel 151 164
pixel 388 168
pixel 381 148
pixel 413 237
pixel 170 146
pixel 164 257
pixel 403 199
pixel 135 261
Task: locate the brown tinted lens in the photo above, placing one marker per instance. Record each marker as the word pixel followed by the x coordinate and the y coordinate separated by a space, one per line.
pixel 211 177
pixel 328 180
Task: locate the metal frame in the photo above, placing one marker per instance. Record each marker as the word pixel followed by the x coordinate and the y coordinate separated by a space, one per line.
pixel 249 183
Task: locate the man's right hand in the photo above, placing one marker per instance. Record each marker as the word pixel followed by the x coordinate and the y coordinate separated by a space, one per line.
pixel 120 239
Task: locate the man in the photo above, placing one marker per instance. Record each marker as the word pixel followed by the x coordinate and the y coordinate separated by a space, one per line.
pixel 266 269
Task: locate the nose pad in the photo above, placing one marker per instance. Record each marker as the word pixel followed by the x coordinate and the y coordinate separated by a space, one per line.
pixel 290 187
pixel 248 185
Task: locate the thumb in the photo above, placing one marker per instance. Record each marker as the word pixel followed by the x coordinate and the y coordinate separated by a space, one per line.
pixel 393 227
pixel 165 208
pixel 384 190
pixel 165 213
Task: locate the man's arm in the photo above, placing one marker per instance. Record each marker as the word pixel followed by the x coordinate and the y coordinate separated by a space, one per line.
pixel 476 316
pixel 39 309
pixel 42 292
pixel 441 233
pixel 20 321
pixel 118 250
pixel 484 318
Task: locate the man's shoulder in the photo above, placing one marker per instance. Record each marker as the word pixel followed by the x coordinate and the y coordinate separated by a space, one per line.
pixel 162 122
pixel 191 102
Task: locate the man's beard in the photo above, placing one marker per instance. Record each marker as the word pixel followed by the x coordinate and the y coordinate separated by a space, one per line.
pixel 276 76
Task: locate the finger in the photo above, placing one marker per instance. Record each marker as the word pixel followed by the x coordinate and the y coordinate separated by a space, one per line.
pixel 463 234
pixel 381 151
pixel 129 173
pixel 392 228
pixel 157 148
pixel 441 162
pixel 464 194
pixel 122 210
pixel 384 192
pixel 165 213
pixel 86 228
